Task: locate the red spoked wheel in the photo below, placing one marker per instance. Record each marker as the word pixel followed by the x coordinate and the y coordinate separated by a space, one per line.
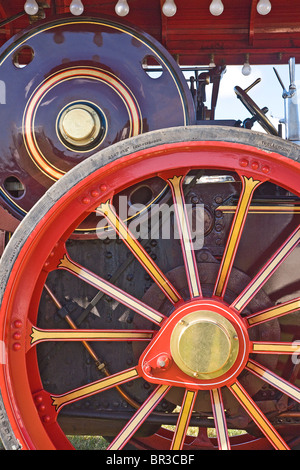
pixel 210 340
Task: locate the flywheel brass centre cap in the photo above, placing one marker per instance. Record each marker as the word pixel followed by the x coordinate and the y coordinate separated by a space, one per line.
pixel 204 344
pixel 79 125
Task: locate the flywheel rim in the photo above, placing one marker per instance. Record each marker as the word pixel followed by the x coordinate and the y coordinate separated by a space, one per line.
pixel 62 209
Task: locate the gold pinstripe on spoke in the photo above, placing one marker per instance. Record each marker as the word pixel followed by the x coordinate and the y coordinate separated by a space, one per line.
pixel 110 289
pixel 256 414
pixel 183 419
pixel 188 252
pixel 220 420
pixel 257 283
pixel 38 335
pixel 273 312
pixel 249 186
pixel 142 256
pixel 278 348
pixel 61 400
pixel 273 379
pixel 253 209
pixel 139 417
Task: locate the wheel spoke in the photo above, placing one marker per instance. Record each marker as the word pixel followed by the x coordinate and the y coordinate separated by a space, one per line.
pixel 274 379
pixel 249 186
pixel 260 208
pixel 139 252
pixel 220 419
pixel 258 417
pixel 183 419
pixel 39 335
pixel 139 417
pixel 111 290
pixel 273 312
pixel 266 272
pixel 99 386
pixel 185 236
pixel 275 348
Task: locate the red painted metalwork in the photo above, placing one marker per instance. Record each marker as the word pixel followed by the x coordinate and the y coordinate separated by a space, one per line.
pixel 193 34
pixel 160 346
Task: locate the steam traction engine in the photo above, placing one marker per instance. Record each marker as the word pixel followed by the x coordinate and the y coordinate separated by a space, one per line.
pixel 109 326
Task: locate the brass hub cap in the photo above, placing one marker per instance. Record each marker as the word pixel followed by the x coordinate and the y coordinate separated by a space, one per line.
pixel 204 344
pixel 79 125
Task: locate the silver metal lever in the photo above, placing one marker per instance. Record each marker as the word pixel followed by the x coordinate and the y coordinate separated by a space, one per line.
pixel 285 92
pixel 291 119
pixel 292 67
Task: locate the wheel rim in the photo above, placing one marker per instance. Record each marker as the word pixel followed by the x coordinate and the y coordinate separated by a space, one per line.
pixel 33 411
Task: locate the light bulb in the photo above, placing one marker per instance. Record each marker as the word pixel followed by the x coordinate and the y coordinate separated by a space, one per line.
pixel 76 7
pixel 246 70
pixel 169 8
pixel 216 7
pixel 264 7
pixel 122 8
pixel 31 7
pixel 212 61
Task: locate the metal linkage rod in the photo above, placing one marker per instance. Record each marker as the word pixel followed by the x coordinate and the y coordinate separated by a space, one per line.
pixel 99 363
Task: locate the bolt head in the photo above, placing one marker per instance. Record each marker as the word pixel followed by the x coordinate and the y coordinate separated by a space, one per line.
pixel 163 362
